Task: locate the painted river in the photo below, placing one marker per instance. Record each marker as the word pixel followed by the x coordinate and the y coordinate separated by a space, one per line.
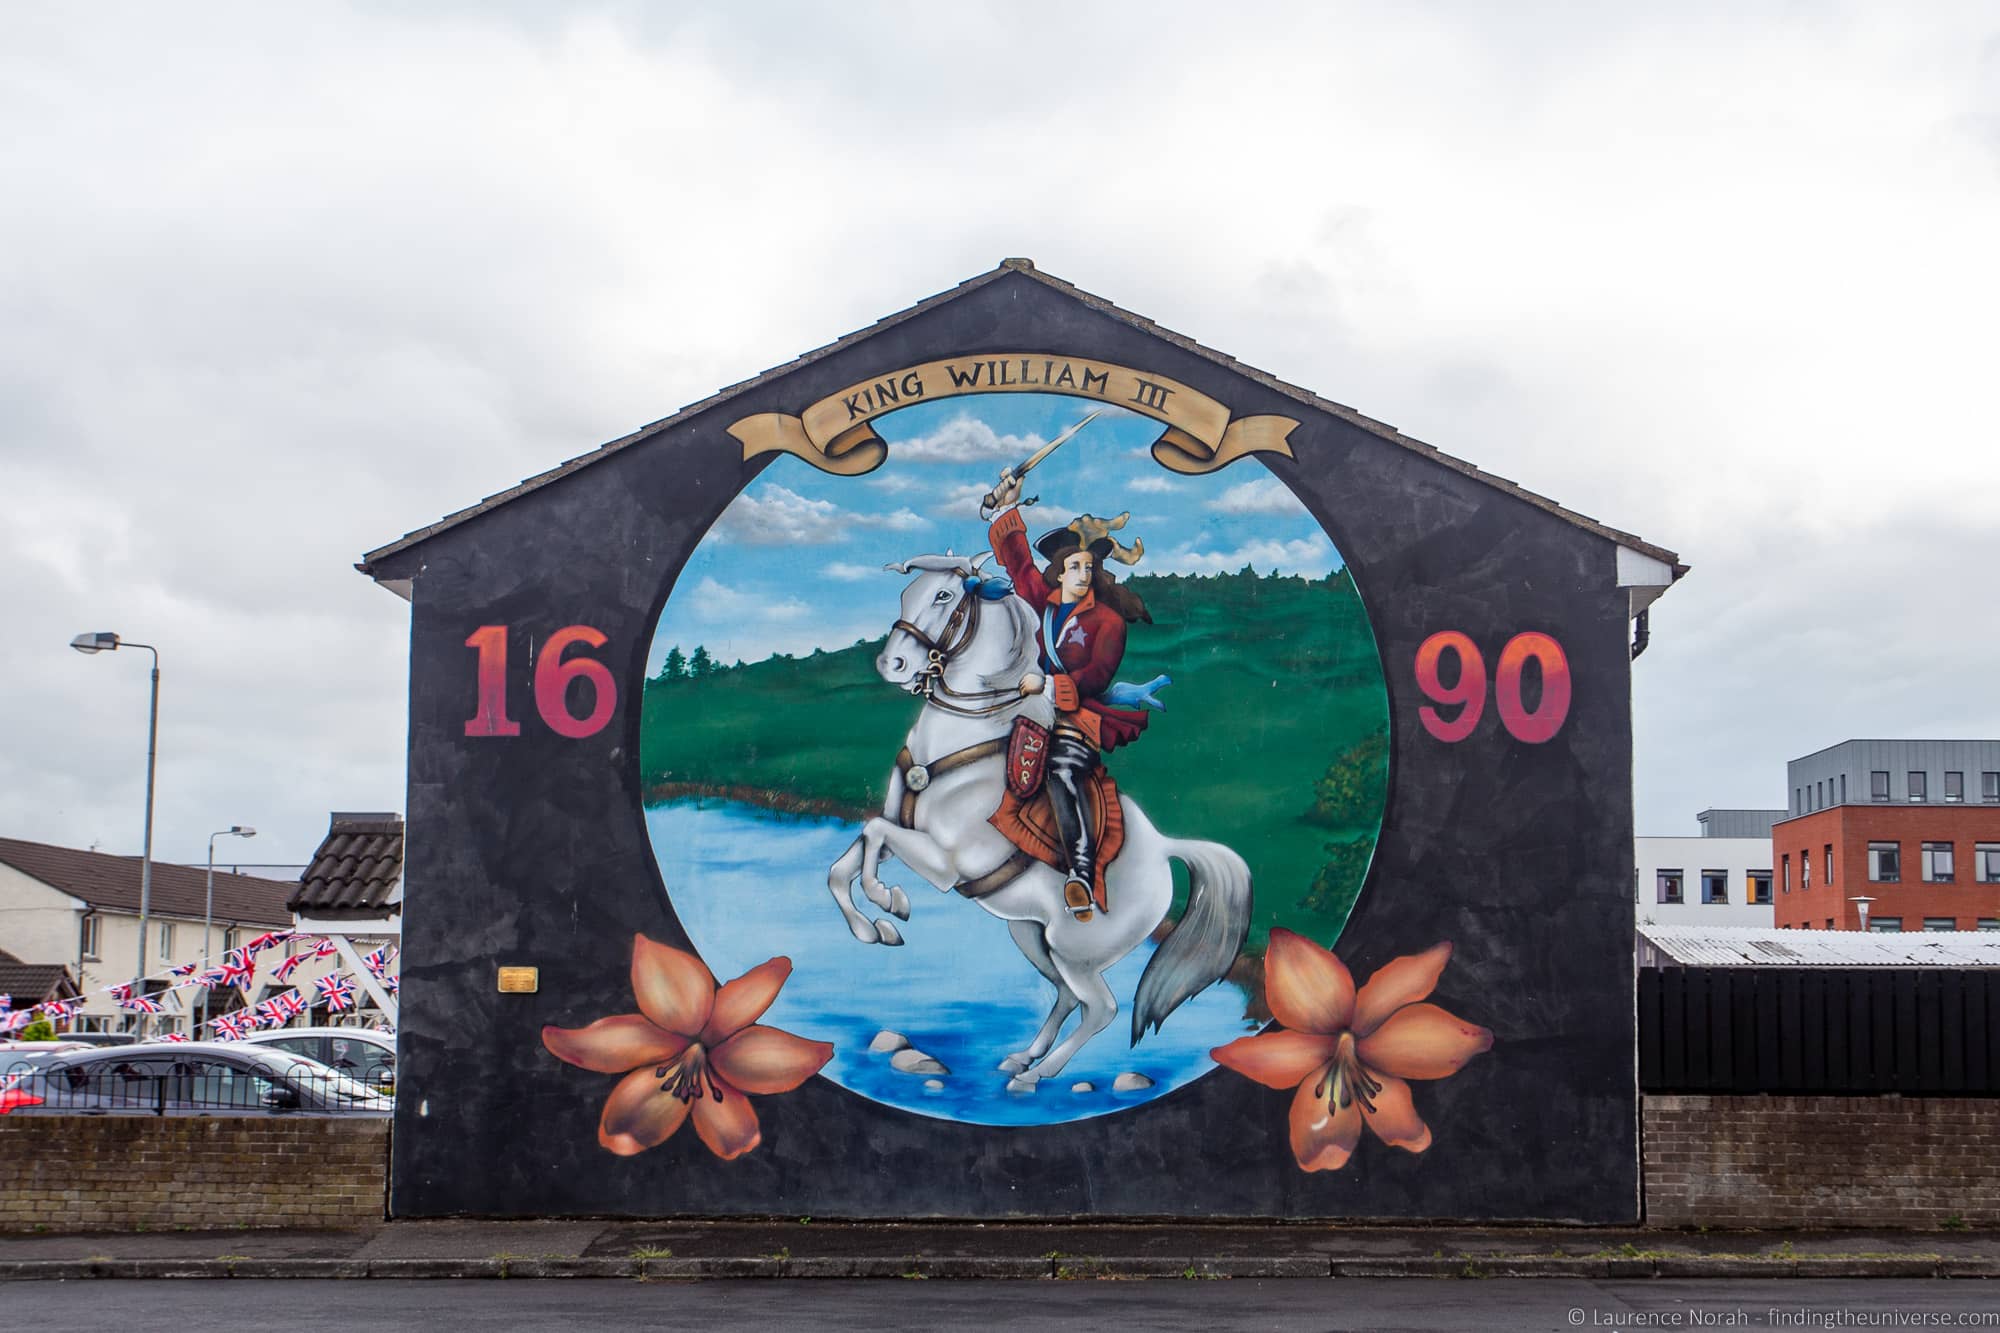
pixel 749 884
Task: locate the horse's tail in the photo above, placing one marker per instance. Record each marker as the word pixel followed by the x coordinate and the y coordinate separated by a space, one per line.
pixel 1203 944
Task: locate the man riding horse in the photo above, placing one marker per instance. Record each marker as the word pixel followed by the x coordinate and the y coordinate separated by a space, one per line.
pixel 1083 614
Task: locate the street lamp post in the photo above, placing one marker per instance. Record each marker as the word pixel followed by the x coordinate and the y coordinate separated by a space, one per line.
pixel 208 900
pixel 1862 904
pixel 105 641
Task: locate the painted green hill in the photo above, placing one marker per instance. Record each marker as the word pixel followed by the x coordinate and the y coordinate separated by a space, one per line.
pixel 1271 742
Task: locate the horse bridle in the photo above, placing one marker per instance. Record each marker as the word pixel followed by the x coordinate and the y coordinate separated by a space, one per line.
pixel 959 630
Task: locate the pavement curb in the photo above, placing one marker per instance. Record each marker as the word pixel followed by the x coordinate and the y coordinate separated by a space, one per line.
pixel 1462 1267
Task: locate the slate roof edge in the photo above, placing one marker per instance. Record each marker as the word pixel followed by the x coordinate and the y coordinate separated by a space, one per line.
pixel 367 564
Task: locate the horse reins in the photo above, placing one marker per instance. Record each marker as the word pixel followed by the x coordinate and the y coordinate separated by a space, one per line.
pixel 958 632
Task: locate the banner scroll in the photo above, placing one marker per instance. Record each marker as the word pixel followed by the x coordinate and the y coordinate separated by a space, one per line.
pixel 836 433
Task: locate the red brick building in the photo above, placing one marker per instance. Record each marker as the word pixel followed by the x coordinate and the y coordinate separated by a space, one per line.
pixel 1914 826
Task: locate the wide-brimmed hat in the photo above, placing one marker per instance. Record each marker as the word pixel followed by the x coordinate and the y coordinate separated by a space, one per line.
pixel 1059 542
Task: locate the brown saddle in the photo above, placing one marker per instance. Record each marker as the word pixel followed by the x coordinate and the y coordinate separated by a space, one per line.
pixel 1027 821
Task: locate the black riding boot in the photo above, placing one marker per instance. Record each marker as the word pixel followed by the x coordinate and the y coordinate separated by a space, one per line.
pixel 1072 760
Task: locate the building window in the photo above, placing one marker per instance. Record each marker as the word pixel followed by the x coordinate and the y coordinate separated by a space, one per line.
pixel 1715 886
pixel 1919 787
pixel 1937 863
pixel 1989 786
pixel 1829 923
pixel 1805 870
pixel 1878 785
pixel 1887 925
pixel 92 930
pixel 1826 864
pixel 166 940
pixel 1670 886
pixel 1986 862
pixel 1760 887
pixel 1885 863
pixel 1785 864
pixel 1843 789
pixel 1954 786
pixel 1989 923
pixel 1940 923
pixel 231 936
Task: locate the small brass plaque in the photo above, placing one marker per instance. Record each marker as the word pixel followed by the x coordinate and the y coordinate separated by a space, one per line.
pixel 520 980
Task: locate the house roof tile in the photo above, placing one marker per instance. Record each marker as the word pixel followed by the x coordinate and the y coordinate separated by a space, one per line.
pixel 111 883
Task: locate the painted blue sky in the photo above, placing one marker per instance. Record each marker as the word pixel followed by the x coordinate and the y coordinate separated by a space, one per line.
pixel 795 562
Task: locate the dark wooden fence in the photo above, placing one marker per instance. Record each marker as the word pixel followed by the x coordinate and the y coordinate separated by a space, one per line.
pixel 1806 1030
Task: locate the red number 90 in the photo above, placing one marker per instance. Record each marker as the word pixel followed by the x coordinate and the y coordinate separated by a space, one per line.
pixel 1468 694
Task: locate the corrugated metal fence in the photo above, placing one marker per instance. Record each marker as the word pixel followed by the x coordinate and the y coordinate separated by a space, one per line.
pixel 1807 1030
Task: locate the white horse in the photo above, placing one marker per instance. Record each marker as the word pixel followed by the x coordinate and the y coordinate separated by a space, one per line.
pixel 963 647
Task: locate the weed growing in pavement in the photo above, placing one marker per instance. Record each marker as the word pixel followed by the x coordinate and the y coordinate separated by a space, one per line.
pixel 1953 1223
pixel 782 1253
pixel 651 1252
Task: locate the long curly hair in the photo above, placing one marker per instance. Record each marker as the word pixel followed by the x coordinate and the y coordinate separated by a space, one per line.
pixel 1108 591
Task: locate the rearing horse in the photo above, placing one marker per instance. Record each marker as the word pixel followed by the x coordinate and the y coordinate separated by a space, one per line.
pixel 963 649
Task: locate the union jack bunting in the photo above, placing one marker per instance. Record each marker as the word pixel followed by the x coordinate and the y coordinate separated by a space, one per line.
pixel 13 1022
pixel 391 984
pixel 325 948
pixel 337 991
pixel 283 971
pixel 266 940
pixel 185 970
pixel 245 957
pixel 211 977
pixel 58 1010
pixel 235 972
pixel 144 1004
pixel 120 992
pixel 230 1027
pixel 6 1003
pixel 377 962
pixel 175 1036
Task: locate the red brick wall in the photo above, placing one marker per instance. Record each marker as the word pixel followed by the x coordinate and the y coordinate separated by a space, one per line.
pixel 127 1172
pixel 1850 828
pixel 1890 1161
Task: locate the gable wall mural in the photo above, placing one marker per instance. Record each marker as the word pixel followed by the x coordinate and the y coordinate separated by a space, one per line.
pixel 1013 764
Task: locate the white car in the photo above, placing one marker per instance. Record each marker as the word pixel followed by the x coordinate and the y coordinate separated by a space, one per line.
pixel 368 1057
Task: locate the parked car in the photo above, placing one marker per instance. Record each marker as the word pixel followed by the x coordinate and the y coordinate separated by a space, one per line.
pixel 357 1052
pixel 187 1078
pixel 104 1038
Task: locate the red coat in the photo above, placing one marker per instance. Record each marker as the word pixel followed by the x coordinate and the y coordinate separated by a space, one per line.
pixel 1090 645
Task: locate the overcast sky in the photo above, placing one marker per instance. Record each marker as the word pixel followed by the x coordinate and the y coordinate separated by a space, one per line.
pixel 280 283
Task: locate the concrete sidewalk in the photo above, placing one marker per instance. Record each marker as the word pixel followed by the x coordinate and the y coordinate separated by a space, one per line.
pixel 802 1248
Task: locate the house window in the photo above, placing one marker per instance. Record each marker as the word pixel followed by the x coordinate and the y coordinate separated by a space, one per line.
pixel 231 937
pixel 1940 923
pixel 1937 863
pixel 1954 786
pixel 1670 886
pixel 1760 887
pixel 1919 787
pixel 1785 864
pixel 92 930
pixel 1826 864
pixel 1878 785
pixel 1805 870
pixel 1887 925
pixel 1989 786
pixel 1986 862
pixel 1885 863
pixel 1715 886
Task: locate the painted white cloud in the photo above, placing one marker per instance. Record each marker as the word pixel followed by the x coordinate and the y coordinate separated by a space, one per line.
pixel 776 516
pixel 1266 495
pixel 848 572
pixel 966 439
pixel 1153 485
pixel 1312 556
pixel 720 602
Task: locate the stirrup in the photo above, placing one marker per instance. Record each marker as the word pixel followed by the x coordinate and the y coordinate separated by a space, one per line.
pixel 1076 897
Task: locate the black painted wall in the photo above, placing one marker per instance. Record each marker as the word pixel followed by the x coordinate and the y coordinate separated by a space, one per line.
pixel 532 851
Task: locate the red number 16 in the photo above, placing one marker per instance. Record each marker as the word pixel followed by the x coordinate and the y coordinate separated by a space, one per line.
pixel 552 679
pixel 1468 692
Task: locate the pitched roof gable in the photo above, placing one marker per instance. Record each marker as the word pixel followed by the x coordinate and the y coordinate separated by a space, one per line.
pixel 111 883
pixel 1025 268
pixel 356 869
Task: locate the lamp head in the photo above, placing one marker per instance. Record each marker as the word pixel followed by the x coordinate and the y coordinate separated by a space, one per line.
pixel 101 641
pixel 243 830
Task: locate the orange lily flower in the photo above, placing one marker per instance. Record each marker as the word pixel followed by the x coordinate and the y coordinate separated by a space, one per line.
pixel 1349 1054
pixel 692 1050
